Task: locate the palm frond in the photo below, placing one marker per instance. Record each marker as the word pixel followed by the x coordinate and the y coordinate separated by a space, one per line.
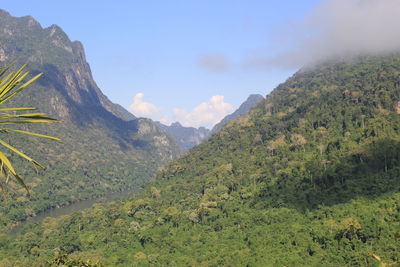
pixel 31 133
pixel 12 83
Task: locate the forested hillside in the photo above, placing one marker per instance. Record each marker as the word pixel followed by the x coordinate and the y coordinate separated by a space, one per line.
pixel 310 177
pixel 104 148
pixel 245 107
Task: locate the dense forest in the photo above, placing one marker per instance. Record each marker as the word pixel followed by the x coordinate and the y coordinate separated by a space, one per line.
pixel 309 177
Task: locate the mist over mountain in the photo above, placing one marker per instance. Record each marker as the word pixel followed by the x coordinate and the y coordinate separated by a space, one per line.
pixel 334 29
pixel 104 147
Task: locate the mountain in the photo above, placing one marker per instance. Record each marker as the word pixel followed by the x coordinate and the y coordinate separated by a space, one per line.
pixel 309 177
pixel 245 107
pixel 187 137
pixel 104 147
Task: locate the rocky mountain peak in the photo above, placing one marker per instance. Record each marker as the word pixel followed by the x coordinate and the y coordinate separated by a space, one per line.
pixel 31 23
pixel 176 124
pixel 79 50
pixel 62 61
pixel 4 13
pixel 254 98
pixel 187 137
pixel 59 38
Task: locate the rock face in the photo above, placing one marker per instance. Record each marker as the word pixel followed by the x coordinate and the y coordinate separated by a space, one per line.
pixel 187 137
pixel 49 50
pixel 103 146
pixel 71 94
pixel 245 107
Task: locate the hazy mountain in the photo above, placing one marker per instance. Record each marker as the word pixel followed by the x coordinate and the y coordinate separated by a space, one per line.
pixel 309 177
pixel 104 147
pixel 245 107
pixel 187 137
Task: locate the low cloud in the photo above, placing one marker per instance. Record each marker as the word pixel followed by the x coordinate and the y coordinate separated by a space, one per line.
pixel 338 28
pixel 214 62
pixel 205 114
pixel 141 108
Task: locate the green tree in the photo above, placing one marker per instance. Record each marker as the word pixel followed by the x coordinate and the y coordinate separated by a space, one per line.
pixel 12 83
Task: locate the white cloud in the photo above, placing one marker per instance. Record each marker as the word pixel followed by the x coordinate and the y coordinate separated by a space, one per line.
pixel 205 114
pixel 141 108
pixel 338 28
pixel 166 120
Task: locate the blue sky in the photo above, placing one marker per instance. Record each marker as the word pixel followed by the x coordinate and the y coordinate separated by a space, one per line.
pixel 188 59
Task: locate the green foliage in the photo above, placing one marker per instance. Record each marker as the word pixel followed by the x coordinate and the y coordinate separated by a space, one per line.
pixel 12 83
pixel 384 264
pixel 310 177
pixel 62 259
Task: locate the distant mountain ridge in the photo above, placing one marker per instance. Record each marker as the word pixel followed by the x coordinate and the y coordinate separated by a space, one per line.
pixel 187 137
pixel 245 107
pixel 104 148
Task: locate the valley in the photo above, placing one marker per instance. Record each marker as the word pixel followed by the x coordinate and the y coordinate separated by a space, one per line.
pixel 308 175
pixel 67 210
pixel 296 181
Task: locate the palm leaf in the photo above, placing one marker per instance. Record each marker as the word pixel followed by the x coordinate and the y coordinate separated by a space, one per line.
pixel 27 115
pixel 31 133
pixel 19 89
pixel 5 162
pixel 16 109
pixel 3 71
pixel 20 153
pixel 29 121
pixel 12 83
pixel 4 81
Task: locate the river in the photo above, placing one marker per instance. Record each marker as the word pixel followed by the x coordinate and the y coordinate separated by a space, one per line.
pixel 68 209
